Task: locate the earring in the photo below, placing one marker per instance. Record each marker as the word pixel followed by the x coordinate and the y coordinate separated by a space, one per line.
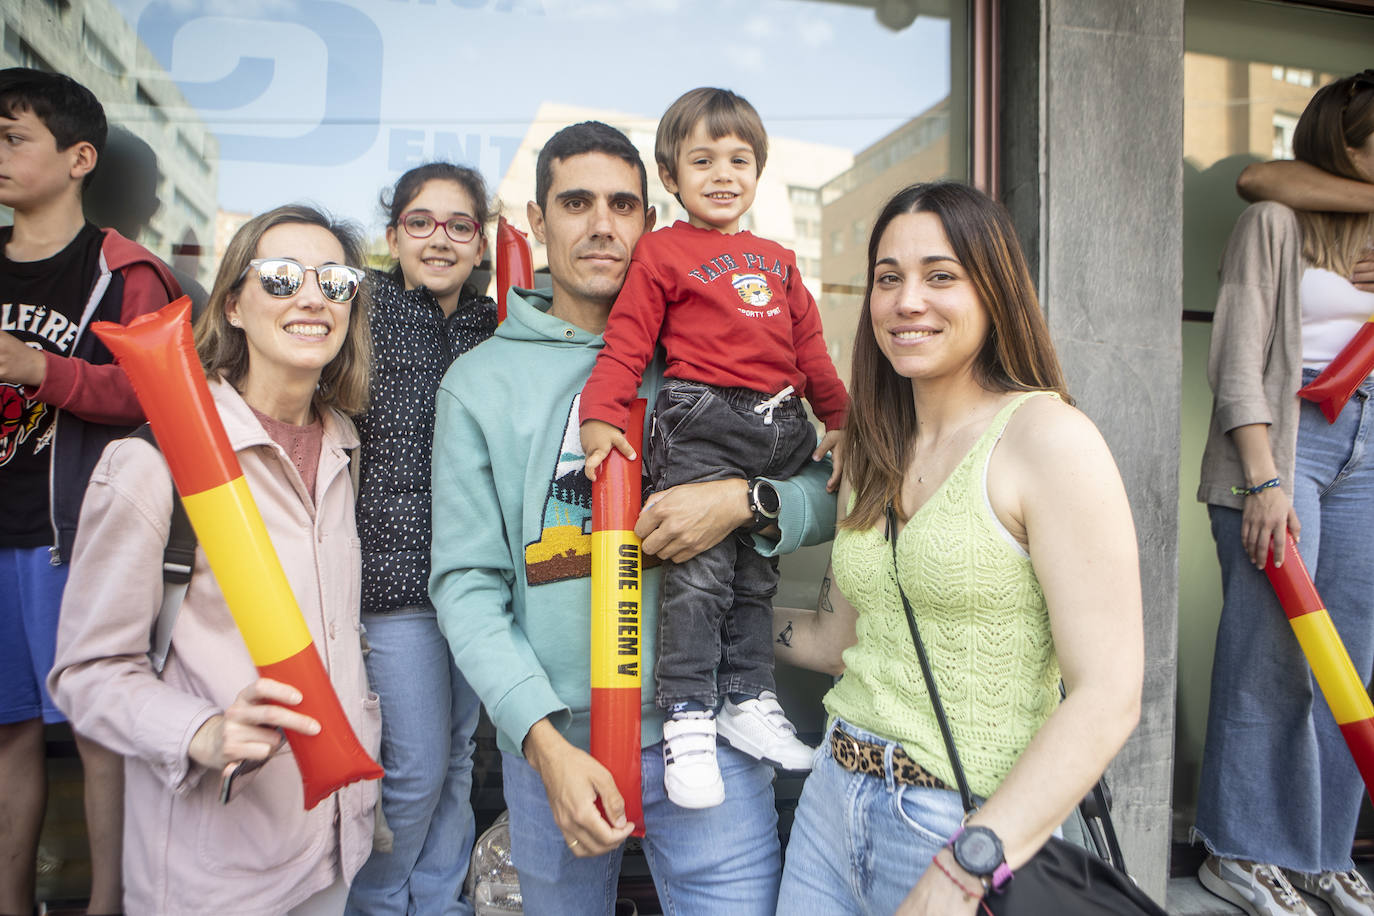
pixel 235 322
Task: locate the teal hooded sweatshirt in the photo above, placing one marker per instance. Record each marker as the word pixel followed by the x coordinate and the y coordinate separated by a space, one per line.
pixel 511 548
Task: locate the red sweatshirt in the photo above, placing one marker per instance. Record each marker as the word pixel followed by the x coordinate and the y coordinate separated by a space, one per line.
pixel 729 310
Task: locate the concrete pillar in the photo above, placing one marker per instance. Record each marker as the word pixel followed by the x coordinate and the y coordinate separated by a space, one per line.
pixel 1092 153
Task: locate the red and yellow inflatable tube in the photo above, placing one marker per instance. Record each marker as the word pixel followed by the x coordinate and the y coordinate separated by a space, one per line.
pixel 1338 381
pixel 617 577
pixel 1336 676
pixel 514 263
pixel 156 353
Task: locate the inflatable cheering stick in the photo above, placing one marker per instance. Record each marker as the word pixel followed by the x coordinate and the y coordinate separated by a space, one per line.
pixel 514 263
pixel 156 353
pixel 1338 381
pixel 1336 676
pixel 617 575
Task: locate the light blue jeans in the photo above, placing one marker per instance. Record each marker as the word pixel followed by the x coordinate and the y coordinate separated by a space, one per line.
pixel 859 842
pixel 428 716
pixel 710 861
pixel 1279 785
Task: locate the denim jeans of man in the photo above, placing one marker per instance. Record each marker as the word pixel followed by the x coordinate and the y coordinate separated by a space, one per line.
pixel 1279 785
pixel 860 842
pixel 716 627
pixel 428 716
pixel 721 860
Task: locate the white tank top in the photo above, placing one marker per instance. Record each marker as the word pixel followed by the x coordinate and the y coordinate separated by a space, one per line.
pixel 1332 311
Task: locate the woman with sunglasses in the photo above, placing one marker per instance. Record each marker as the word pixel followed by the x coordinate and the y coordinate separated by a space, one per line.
pixel 285 345
pixel 976 493
pixel 424 314
pixel 1280 793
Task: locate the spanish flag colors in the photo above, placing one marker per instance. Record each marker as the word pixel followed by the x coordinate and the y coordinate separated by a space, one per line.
pixel 1338 381
pixel 617 576
pixel 156 353
pixel 1331 665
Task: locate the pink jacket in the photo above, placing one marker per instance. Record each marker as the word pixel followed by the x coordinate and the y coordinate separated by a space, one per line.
pixel 184 852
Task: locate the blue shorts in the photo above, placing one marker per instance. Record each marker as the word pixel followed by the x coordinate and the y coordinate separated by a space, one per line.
pixel 30 598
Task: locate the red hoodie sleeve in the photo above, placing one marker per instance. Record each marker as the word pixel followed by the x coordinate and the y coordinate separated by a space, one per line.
pixel 824 390
pixel 631 336
pixel 102 393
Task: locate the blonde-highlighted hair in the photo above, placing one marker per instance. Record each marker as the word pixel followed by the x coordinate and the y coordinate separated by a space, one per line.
pixel 722 111
pixel 1017 354
pixel 1339 118
pixel 223 349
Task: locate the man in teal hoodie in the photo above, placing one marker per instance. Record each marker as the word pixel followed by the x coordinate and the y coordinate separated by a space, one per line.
pixel 512 566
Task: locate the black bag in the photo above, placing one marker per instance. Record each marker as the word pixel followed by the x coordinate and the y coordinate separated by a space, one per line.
pixel 1062 879
pixel 1066 880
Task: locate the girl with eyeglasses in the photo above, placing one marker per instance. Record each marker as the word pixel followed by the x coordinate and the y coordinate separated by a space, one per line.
pixel 285 344
pixel 1280 793
pixel 425 312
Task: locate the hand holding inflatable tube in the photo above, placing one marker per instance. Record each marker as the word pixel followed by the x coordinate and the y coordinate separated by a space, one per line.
pixel 156 353
pixel 1338 381
pixel 1331 665
pixel 514 263
pixel 617 576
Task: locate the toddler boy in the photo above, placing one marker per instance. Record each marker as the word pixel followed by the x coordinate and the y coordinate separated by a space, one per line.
pixel 742 339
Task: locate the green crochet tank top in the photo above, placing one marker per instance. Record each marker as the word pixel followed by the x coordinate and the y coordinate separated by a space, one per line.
pixel 982 617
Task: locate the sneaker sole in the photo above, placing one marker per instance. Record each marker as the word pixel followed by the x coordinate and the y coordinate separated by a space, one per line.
pixel 1218 886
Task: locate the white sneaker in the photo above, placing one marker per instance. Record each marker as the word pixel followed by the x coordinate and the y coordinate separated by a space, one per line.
pixel 1344 891
pixel 1260 890
pixel 690 772
pixel 759 728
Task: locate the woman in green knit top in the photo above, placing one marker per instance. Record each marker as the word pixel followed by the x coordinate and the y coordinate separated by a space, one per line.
pixel 1017 551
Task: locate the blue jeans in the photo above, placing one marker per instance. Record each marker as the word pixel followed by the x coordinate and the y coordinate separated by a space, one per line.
pixel 1279 785
pixel 860 843
pixel 428 716
pixel 714 860
pixel 31 592
pixel 715 631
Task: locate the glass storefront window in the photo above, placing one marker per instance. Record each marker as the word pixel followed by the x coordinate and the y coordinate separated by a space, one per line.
pixel 221 110
pixel 1250 68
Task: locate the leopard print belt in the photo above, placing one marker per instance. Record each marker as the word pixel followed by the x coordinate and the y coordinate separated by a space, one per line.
pixel 866 757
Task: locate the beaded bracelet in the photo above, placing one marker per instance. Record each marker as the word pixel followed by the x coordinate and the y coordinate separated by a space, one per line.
pixel 1255 490
pixel 968 895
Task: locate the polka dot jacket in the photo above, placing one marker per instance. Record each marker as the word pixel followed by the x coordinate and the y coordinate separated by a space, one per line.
pixel 413 345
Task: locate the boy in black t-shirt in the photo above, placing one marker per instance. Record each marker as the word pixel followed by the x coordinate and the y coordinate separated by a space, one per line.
pixel 62 399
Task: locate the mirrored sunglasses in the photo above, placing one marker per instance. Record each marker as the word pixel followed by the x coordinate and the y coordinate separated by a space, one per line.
pixel 282 278
pixel 419 224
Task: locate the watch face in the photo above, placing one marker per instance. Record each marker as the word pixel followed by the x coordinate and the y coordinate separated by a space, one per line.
pixel 767 499
pixel 978 851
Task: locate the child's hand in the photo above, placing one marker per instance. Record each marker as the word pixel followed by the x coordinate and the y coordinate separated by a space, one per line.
pixel 832 442
pixel 598 438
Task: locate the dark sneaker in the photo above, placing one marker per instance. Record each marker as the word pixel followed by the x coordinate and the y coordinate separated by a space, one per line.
pixel 1260 890
pixel 1344 891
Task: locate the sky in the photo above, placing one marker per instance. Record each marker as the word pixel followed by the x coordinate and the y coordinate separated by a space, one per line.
pixel 330 100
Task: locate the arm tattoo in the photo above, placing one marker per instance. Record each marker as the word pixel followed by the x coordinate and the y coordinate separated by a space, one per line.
pixel 824 600
pixel 785 637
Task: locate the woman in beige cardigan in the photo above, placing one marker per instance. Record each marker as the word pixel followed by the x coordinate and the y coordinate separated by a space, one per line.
pixel 1280 793
pixel 285 344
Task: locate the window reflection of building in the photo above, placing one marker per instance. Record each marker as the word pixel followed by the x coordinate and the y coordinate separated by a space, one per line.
pixel 110 60
pixel 919 150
